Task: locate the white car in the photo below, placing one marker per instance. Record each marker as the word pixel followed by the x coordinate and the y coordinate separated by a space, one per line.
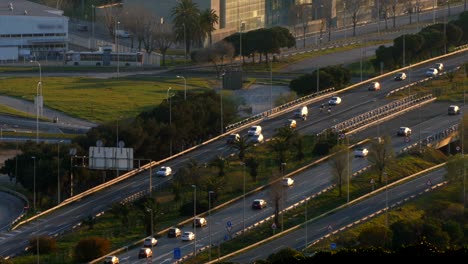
pixel 335 100
pixel 164 171
pixel 188 236
pixel 254 130
pixel 431 72
pixel 439 66
pixel 361 152
pixel 287 182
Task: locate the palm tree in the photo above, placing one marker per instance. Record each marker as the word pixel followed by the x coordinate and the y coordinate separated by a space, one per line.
pixel 186 17
pixel 220 163
pixel 208 19
pixel 241 145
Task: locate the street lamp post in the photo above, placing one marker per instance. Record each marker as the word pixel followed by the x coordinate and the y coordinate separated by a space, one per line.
pixel 93 14
pixel 185 86
pixel 185 42
pixel 194 215
pixel 38 99
pixel 34 182
pixel 315 18
pixel 170 119
pixel 241 28
pixel 117 45
pixel 58 171
pixel 72 153
pixel 283 198
pixel 243 201
pixel 306 232
pixel 221 104
pixel 386 198
pixel 209 220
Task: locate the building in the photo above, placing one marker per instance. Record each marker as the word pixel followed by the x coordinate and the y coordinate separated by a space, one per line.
pixel 31 31
pixel 298 15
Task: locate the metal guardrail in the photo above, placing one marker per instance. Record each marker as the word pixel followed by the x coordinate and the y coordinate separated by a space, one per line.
pixel 378 113
pixel 437 137
pixel 277 109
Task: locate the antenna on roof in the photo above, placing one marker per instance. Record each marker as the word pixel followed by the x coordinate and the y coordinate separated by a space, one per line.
pixel 25 12
pixel 10 6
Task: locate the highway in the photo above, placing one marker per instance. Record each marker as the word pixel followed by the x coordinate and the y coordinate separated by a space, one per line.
pixel 355 102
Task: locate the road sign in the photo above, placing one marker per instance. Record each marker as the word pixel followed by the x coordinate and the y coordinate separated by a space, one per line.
pixel 229 224
pixel 330 228
pixel 429 183
pixel 407 139
pixel 273 226
pixel 458 148
pixel 176 253
pixel 333 246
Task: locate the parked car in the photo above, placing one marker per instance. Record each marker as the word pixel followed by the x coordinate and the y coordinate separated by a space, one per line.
pixel 174 232
pixel 287 182
pixel 150 242
pixel 257 139
pixel 439 66
pixel 454 110
pixel 199 222
pixel 400 76
pixel 259 204
pixel 431 72
pixel 111 260
pixel 254 130
pixel 335 100
pixel 361 152
pixel 374 86
pixel 164 171
pixel 291 123
pixel 145 253
pixel 404 131
pixel 188 236
pixel 82 28
pixel 232 138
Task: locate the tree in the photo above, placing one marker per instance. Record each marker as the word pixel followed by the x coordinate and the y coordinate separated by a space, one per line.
pixel 186 19
pixel 381 154
pixel 277 196
pixel 241 145
pixel 252 163
pixel 91 248
pixel 339 161
pixel 376 235
pixel 208 19
pixel 47 245
pixel 163 38
pixel 215 54
pixel 220 163
pixel 353 7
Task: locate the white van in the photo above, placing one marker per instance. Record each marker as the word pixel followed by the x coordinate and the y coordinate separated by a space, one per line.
pixel 122 33
pixel 301 112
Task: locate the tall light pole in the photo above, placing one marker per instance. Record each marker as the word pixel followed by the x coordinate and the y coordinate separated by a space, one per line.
pixel 243 200
pixel 118 57
pixel 283 198
pixel 241 29
pixel 315 18
pixel 221 104
pixel 151 180
pixel 38 99
pixel 185 86
pixel 306 232
pixel 185 42
pixel 318 78
pixel 209 219
pixel 194 215
pixel 433 11
pixel 93 14
pixel 349 169
pixel 34 182
pixel 445 26
pixel 344 19
pixel 72 153
pixel 58 171
pixel 386 199
pixel 170 119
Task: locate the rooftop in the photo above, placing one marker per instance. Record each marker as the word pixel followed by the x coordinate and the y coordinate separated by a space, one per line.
pixel 23 7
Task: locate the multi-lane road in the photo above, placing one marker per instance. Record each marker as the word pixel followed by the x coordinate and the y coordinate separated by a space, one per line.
pixel 355 102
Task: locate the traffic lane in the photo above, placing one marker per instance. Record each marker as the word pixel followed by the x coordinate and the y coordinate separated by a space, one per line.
pixel 429 119
pixel 11 208
pixel 342 218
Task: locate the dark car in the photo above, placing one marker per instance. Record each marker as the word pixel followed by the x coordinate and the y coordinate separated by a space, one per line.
pixel 258 204
pixel 145 253
pixel 174 232
pixel 82 28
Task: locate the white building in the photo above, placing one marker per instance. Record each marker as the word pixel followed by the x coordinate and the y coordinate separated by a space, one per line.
pixel 31 31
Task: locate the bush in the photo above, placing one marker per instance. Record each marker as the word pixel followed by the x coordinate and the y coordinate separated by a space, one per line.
pixel 47 244
pixel 91 248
